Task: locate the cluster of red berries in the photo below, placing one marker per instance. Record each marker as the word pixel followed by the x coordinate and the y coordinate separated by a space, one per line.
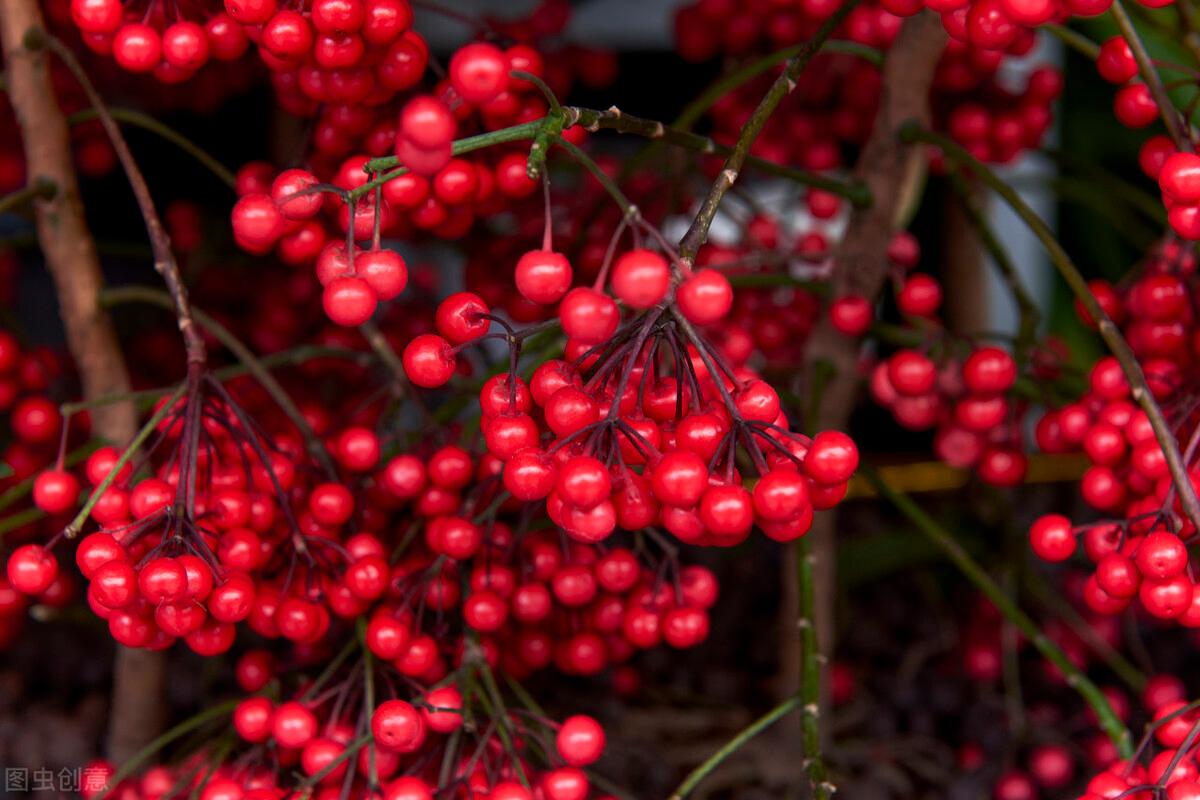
pixel 577 608
pixel 281 217
pixel 998 24
pixel 993 123
pixel 1165 765
pixel 317 738
pixel 1142 551
pixel 968 402
pixel 1178 178
pixel 838 95
pixel 576 432
pixel 160 38
pixel 961 389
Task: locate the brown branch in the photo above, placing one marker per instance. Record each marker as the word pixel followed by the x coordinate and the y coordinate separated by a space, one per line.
pixel 831 357
pixel 66 242
pixel 781 88
pixel 67 245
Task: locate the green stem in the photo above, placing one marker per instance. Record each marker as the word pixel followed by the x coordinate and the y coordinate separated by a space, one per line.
pixel 1109 332
pixel 189 724
pixel 368 699
pixel 351 750
pixel 608 183
pixel 72 530
pixel 19 518
pixel 1122 667
pixel 42 188
pixel 149 123
pixel 615 119
pixel 783 85
pixel 516 133
pixel 1074 40
pixel 157 297
pixel 330 668
pixel 810 674
pixel 500 712
pixel 1166 108
pixel 809 693
pixel 733 745
pixel 1110 723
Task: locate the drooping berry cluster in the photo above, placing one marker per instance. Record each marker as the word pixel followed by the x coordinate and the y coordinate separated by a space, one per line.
pixel 1141 551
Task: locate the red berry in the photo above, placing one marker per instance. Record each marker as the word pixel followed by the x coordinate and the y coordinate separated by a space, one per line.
pixel 31 569
pixel 1051 538
pixel 478 72
pixel 55 491
pixel 542 276
pixel 349 300
pixel 428 361
pixel 580 740
pixel 398 726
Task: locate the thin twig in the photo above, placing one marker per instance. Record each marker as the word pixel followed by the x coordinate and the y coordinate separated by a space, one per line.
pixel 149 123
pixel 1091 694
pixel 164 258
pixel 781 88
pixel 1170 116
pixel 733 745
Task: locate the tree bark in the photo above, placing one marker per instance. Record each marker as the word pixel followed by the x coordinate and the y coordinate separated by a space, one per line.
pixel 136 711
pixel 886 167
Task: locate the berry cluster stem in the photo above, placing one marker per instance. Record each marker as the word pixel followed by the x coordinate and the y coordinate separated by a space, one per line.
pixel 143 294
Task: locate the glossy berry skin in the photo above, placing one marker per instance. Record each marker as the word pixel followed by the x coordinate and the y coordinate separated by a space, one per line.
pixel 137 48
pixel 31 569
pixel 398 726
pixel 349 300
pixel 1051 538
pixel 705 298
pixel 96 16
pixel 543 276
pixel 479 72
pixel 780 495
pixel 641 278
pixel 565 783
pixel 911 373
pixel 1179 178
pixel 257 221
pixel 427 123
pixel 1115 62
pixel 588 316
pixel 428 361
pixel 832 458
pixel 580 740
pixel 851 315
pixel 55 492
pixel 1161 556
pixel 462 317
pixel 293 725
